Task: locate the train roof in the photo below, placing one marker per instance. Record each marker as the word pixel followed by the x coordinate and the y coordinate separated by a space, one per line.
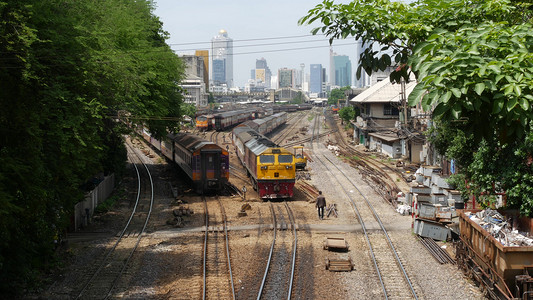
pixel 189 141
pixel 231 113
pixel 245 133
pixel 260 144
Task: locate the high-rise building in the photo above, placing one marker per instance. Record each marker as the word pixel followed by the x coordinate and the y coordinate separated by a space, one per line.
pixel 316 79
pixel 343 70
pixel 340 70
pixel 286 78
pixel 302 75
pixel 222 59
pixel 262 72
pixel 205 55
pixel 193 83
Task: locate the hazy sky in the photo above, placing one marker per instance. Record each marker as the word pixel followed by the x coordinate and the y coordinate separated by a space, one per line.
pixel 248 23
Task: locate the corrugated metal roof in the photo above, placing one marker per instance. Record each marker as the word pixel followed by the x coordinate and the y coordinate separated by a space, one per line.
pixel 388 137
pixel 189 141
pixel 244 133
pixel 384 92
pixel 259 145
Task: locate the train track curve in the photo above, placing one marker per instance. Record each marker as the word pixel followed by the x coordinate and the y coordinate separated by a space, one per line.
pixel 104 276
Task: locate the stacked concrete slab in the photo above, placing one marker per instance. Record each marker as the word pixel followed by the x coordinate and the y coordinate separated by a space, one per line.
pixel 434 202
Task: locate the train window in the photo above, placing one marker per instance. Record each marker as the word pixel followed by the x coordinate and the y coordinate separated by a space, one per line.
pixel 284 159
pixel 266 159
pixel 210 163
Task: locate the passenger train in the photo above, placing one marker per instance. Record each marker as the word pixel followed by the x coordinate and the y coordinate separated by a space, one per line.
pixel 271 167
pixel 223 120
pixel 205 163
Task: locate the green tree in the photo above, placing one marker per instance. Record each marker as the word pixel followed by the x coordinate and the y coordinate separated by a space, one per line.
pixel 474 67
pixel 348 113
pixel 66 69
pixel 298 99
pixel 337 94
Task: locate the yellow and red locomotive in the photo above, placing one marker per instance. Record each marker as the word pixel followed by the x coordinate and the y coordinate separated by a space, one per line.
pixel 271 168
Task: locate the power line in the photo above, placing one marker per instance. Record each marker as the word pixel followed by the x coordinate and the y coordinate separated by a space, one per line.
pixel 234 54
pixel 248 40
pixel 267 44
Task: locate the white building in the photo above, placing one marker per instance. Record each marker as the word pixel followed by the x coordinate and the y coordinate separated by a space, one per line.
pixel 194 84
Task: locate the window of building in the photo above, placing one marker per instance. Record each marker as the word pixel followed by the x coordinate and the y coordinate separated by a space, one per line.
pixel 389 110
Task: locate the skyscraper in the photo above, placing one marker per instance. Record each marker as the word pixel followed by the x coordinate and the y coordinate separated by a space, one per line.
pixel 263 72
pixel 364 80
pixel 286 78
pixel 340 70
pixel 222 59
pixel 343 70
pixel 315 81
pixel 205 55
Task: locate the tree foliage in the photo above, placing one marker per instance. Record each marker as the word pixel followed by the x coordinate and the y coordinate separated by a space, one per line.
pixel 337 94
pixel 474 66
pixel 66 68
pixel 348 113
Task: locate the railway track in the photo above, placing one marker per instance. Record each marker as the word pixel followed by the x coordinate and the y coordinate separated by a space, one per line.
pixel 286 132
pixel 315 136
pixel 390 271
pixel 386 181
pixel 103 276
pixel 217 274
pixel 213 137
pixel 279 273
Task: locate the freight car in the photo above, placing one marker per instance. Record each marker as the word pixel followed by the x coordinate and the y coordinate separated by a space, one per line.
pixel 205 163
pixel 502 272
pixel 271 168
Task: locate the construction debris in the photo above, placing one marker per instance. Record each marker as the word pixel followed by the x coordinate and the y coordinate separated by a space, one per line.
pixel 339 264
pixel 182 211
pixel 332 208
pixel 404 209
pixel 335 242
pixel 334 149
pixel 244 208
pixel 500 228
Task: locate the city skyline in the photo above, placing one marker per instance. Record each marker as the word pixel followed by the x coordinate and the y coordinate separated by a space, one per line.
pixel 259 30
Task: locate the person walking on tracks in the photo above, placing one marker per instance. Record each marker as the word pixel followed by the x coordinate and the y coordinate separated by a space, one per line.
pixel 320 205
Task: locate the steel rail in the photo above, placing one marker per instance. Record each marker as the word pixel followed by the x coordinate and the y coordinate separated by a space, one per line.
pixel 271 251
pixel 299 142
pixel 293 263
pixel 279 138
pixel 108 254
pixel 142 231
pixel 227 245
pixel 378 219
pixel 205 248
pixel 363 226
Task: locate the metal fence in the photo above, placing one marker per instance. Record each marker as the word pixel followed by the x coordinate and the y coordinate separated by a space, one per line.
pixel 85 209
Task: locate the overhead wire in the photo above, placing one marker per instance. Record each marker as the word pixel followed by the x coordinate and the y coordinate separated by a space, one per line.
pixel 233 54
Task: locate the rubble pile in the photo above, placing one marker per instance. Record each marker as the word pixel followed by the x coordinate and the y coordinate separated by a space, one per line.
pixel 500 228
pixel 334 149
pixel 403 209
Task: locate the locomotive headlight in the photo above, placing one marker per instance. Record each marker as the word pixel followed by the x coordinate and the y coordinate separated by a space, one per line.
pixel 264 167
pixel 288 167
